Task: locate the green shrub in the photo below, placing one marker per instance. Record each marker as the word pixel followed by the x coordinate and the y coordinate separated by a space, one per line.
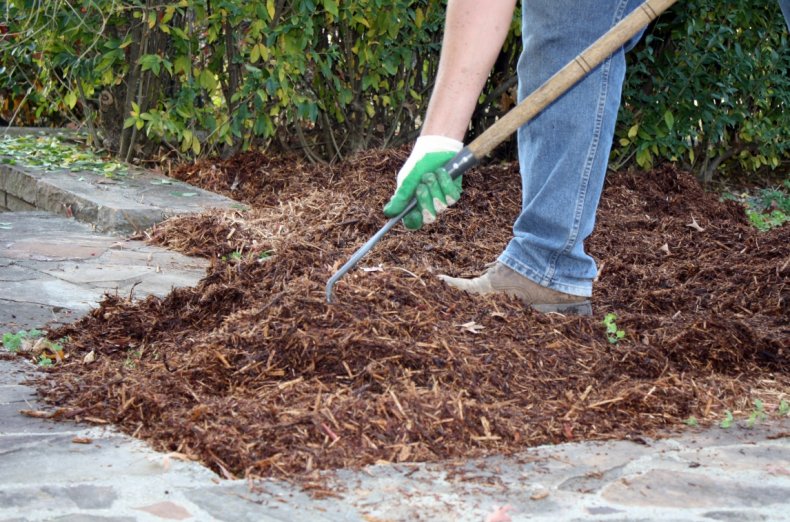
pixel 709 88
pixel 322 76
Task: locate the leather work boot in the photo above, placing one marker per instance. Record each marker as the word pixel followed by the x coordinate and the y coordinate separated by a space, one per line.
pixel 499 278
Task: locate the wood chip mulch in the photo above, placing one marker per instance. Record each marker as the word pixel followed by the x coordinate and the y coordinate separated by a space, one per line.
pixel 252 373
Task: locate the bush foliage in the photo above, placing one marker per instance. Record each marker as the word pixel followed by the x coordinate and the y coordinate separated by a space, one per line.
pixel 708 86
pixel 324 76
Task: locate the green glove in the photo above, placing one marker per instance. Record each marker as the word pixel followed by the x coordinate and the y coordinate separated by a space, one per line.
pixel 423 177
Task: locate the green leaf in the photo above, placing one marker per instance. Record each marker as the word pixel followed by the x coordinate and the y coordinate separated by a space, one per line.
pixel 331 8
pixel 181 65
pixel 186 140
pixel 644 158
pixel 419 18
pixel 70 100
pixel 669 119
pixel 169 12
pixel 151 62
pixel 361 20
pixel 727 421
pixel 207 80
pixel 263 51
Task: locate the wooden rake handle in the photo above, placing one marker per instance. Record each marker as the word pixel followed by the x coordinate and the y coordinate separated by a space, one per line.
pixel 531 106
pixel 568 76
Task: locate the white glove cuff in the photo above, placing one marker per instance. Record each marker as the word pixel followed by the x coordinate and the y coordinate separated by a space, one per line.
pixel 425 145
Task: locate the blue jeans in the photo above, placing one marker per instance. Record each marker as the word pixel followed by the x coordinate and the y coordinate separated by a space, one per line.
pixel 564 152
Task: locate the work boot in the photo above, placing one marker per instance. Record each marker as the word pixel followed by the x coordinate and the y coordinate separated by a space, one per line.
pixel 499 278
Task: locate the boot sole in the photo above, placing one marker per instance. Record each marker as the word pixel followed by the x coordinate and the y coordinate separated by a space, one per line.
pixel 580 308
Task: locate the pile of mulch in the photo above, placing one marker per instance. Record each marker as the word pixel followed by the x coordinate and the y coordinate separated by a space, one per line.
pixel 252 373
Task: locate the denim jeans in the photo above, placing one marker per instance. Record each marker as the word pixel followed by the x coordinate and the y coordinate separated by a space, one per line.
pixel 564 152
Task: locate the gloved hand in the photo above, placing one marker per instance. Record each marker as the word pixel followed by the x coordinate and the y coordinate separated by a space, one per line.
pixel 422 175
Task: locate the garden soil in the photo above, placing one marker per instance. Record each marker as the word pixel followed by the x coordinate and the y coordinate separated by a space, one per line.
pixel 254 374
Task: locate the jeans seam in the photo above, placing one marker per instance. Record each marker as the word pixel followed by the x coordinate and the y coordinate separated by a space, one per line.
pixel 592 151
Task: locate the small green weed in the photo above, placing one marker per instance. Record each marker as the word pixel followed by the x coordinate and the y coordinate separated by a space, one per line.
pixel 758 413
pixel 765 222
pixel 13 342
pixel 691 421
pixel 47 352
pixel 233 256
pixel 132 358
pixel 784 408
pixel 766 209
pixel 613 333
pixel 728 420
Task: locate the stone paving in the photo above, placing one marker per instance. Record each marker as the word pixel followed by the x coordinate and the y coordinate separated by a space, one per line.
pixel 53 270
pixel 128 203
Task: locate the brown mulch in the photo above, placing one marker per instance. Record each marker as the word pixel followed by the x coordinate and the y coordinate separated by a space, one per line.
pixel 255 375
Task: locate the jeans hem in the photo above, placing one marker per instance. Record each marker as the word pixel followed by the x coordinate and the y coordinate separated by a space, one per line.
pixel 581 290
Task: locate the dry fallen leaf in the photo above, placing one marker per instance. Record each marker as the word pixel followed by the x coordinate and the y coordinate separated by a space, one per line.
pixel 471 327
pixel 665 248
pixel 372 268
pixel 179 456
pixel 34 346
pixel 89 357
pixel 38 414
pixel 695 225
pixel 539 495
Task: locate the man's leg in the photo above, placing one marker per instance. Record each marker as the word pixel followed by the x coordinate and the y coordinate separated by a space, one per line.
pixel 564 152
pixel 785 5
